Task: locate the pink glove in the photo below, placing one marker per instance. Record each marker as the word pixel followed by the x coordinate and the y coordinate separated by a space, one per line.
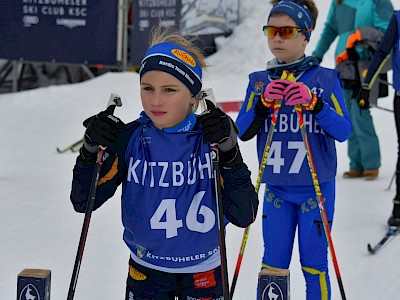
pixel 275 89
pixel 299 93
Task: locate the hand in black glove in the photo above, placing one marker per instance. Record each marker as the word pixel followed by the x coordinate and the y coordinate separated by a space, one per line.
pixel 362 98
pixel 102 129
pixel 260 110
pixel 218 127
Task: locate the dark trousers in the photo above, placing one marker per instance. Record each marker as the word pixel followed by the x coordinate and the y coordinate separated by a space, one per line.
pixel 396 108
pixel 148 284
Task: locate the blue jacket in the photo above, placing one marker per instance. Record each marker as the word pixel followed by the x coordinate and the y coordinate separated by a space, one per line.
pixel 287 162
pixel 343 19
pixel 169 209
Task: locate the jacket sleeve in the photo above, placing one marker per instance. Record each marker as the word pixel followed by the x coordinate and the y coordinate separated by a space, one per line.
pixel 334 118
pixel 382 54
pixel 248 123
pixel 240 201
pixel 328 35
pixel 112 173
pixel 381 14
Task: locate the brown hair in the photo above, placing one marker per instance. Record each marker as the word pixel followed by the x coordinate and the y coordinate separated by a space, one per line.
pixel 160 34
pixel 309 3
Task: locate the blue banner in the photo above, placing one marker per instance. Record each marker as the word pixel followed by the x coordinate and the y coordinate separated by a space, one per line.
pixel 147 14
pixel 63 31
pixel 207 19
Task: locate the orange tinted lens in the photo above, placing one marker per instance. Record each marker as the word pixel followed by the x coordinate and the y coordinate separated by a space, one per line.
pixel 284 32
pixel 288 32
pixel 270 32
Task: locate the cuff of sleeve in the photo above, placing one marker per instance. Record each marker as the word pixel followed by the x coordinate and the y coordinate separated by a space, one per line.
pixel 318 107
pixel 231 141
pixel 232 158
pixel 86 155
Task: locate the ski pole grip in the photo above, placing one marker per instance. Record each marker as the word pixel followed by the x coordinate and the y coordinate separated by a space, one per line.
pixel 114 101
pixel 208 94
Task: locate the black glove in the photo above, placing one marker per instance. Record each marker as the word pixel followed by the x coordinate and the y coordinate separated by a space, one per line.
pixel 218 128
pixel 319 59
pixel 362 98
pixel 102 129
pixel 260 110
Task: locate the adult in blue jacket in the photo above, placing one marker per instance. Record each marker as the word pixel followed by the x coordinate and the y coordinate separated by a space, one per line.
pixel 290 201
pixel 344 19
pixel 389 48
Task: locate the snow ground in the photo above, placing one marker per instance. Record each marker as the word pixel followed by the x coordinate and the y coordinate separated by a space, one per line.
pixel 40 229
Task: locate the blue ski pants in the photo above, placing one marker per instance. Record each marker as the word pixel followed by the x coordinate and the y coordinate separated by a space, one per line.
pixel 287 208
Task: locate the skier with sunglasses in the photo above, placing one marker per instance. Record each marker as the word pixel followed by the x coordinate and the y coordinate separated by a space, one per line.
pixel 293 79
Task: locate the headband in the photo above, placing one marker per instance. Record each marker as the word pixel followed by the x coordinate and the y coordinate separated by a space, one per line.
pixel 175 60
pixel 300 13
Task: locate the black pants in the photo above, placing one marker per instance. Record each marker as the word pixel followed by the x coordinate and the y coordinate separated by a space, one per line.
pixel 148 284
pixel 396 108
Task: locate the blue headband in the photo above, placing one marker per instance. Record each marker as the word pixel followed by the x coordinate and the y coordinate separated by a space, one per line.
pixel 175 60
pixel 298 12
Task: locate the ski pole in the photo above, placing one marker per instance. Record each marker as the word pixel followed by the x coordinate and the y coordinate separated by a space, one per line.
pixel 114 101
pixel 391 180
pixel 385 82
pixel 321 206
pixel 261 169
pixel 221 225
pixel 208 94
pixel 71 147
pixel 382 108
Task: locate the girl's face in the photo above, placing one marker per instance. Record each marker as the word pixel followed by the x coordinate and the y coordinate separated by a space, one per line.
pixel 165 99
pixel 286 50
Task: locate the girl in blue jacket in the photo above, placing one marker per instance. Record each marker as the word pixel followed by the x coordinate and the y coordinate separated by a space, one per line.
pixel 290 201
pixel 163 161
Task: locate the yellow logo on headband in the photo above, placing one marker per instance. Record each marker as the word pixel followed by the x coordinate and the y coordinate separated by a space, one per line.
pixel 184 56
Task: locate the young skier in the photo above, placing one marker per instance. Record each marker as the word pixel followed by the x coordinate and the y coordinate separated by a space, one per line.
pixel 389 47
pixel 290 200
pixel 164 162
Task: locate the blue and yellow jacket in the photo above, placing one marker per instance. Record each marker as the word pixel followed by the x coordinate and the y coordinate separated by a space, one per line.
pixel 287 163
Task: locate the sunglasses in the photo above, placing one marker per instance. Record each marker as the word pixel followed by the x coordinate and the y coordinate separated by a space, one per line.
pixel 287 32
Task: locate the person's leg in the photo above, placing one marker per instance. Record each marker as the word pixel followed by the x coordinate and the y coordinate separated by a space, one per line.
pixel 394 219
pixel 148 284
pixel 368 152
pixel 313 244
pixel 279 223
pixel 353 147
pixel 396 108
